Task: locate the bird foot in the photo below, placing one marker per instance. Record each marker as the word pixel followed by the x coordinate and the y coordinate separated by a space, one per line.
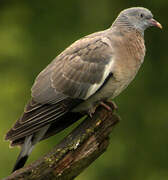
pixel 109 105
pixel 92 111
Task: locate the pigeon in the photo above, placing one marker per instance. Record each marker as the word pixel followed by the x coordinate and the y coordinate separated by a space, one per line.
pixel 92 70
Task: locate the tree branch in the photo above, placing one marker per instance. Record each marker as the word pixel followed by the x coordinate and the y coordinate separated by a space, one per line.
pixel 75 152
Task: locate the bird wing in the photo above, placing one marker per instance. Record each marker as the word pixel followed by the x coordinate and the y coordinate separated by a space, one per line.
pixel 78 72
pixel 75 75
pixel 36 116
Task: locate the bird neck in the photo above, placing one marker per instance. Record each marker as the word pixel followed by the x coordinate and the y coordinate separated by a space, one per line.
pixel 131 39
pixel 122 23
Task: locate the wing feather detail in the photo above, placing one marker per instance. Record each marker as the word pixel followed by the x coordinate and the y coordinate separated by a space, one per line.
pixel 32 121
pixel 82 74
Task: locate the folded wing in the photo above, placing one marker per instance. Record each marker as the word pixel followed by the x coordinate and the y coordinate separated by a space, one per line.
pixel 72 77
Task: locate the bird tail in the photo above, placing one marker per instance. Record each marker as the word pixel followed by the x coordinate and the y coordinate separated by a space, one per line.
pixel 28 146
pixel 26 149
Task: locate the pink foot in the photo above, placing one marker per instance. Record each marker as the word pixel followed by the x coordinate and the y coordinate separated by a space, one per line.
pixel 109 105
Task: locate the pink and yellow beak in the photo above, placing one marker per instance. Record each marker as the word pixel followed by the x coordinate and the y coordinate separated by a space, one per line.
pixel 155 23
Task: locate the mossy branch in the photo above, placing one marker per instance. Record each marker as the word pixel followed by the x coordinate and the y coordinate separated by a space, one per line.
pixel 75 152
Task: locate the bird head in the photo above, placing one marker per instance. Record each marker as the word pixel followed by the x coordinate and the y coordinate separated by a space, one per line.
pixel 138 18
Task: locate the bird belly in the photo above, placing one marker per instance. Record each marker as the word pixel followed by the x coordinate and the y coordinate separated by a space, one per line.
pixel 109 91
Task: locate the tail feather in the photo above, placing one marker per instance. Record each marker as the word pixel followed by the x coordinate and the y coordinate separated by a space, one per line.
pixel 28 146
pixel 20 163
pixel 26 149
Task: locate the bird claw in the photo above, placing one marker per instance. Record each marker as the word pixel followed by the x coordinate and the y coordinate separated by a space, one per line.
pixel 92 111
pixel 109 105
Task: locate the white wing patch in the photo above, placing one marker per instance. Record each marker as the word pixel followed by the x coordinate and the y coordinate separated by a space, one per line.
pixel 108 68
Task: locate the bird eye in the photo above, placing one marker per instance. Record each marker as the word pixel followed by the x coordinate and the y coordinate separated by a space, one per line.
pixel 142 15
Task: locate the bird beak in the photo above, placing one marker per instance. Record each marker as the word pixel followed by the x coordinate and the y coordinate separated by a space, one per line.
pixel 155 23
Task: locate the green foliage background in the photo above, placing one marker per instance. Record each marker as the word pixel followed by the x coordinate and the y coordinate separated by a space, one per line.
pixel 32 33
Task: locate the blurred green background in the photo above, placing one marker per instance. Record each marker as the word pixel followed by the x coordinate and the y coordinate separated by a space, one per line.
pixel 32 33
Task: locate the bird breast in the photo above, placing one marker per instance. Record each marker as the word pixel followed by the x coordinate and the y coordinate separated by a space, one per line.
pixel 130 52
pixel 128 55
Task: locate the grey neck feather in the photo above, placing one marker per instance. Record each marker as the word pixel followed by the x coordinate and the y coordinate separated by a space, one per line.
pixel 123 22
